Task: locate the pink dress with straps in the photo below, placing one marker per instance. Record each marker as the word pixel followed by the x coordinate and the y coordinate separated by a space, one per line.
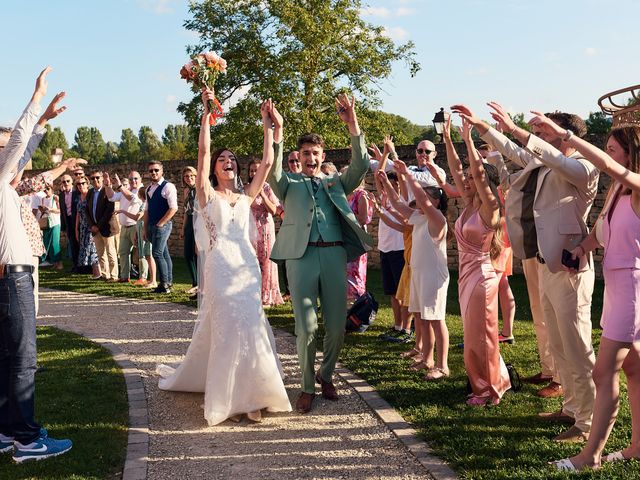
pixel 620 319
pixel 478 295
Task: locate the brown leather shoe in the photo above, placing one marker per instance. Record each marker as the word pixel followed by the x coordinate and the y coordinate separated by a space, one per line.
pixel 537 379
pixel 573 435
pixel 558 416
pixel 552 390
pixel 305 402
pixel 328 389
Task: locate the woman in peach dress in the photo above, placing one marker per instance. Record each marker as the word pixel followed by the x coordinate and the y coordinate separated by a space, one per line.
pixel 477 234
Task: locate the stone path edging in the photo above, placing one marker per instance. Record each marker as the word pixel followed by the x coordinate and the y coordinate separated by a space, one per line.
pixel 136 462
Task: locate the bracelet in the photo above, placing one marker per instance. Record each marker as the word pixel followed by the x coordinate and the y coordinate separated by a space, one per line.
pixel 513 130
pixel 567 136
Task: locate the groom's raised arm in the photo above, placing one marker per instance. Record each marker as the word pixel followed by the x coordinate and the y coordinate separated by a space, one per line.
pixel 360 160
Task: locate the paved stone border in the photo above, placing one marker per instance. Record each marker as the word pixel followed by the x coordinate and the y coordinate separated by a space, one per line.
pixel 135 465
pixel 402 429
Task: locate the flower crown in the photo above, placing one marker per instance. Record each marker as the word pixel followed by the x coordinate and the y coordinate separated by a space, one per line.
pixel 623 115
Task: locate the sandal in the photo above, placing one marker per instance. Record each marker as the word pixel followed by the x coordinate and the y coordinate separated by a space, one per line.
pixel 436 373
pixel 504 339
pixel 614 457
pixel 564 465
pixel 410 353
pixel 475 401
pixel 419 365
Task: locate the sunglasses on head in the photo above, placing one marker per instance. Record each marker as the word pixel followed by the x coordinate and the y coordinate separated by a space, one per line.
pixel 426 150
pixel 154 170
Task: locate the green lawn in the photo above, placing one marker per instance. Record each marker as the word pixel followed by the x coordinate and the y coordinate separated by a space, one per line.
pixel 503 442
pixel 81 395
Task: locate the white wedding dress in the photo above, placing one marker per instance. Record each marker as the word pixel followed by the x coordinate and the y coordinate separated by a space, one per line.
pixel 232 356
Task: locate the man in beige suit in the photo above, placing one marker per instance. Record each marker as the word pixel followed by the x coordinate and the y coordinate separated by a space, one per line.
pixel 547 209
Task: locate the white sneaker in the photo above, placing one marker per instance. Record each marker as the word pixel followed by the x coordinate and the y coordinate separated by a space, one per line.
pixel 46 264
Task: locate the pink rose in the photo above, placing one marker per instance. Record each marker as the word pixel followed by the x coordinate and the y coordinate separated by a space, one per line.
pixel 211 57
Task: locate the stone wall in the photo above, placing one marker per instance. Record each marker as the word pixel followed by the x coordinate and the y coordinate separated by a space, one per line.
pixel 340 157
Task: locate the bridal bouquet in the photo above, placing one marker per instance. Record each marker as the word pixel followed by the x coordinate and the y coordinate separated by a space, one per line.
pixel 202 72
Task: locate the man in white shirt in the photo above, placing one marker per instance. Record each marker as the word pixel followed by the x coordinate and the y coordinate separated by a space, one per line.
pixel 18 429
pixel 162 205
pixel 127 195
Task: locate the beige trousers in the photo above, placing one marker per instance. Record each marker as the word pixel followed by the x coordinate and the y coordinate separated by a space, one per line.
pixel 566 303
pixel 107 255
pixel 530 269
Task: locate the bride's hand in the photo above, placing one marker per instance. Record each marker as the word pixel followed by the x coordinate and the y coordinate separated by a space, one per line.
pixel 208 95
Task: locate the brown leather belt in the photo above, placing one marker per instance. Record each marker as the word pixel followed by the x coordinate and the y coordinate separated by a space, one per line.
pixel 5 269
pixel 325 244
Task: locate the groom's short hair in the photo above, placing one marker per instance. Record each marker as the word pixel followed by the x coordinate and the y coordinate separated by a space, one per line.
pixel 311 138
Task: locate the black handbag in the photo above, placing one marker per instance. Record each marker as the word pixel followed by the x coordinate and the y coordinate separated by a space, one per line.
pixel 362 313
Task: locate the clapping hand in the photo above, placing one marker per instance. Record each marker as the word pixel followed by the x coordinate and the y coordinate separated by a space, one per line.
pixel 500 115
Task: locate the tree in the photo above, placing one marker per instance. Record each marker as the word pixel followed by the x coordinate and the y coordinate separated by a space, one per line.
pixel 90 145
pixel 178 142
pixel 598 125
pixel 129 148
pixel 150 145
pixel 111 153
pixel 301 53
pixel 52 139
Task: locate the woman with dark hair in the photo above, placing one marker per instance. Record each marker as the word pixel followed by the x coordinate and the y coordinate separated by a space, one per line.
pixel 478 236
pixel 232 356
pixel 87 253
pixel 188 199
pixel 263 208
pixel 618 230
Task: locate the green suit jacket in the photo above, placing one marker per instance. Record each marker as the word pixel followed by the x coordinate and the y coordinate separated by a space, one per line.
pixel 296 194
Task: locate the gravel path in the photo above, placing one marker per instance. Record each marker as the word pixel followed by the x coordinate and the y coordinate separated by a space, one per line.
pixel 337 440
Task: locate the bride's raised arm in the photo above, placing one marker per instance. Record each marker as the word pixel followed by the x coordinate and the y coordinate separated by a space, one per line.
pixel 204 191
pixel 269 115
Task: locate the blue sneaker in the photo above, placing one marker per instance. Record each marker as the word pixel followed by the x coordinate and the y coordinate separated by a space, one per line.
pixel 6 444
pixel 41 448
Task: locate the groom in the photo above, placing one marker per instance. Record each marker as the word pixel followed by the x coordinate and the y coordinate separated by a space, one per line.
pixel 318 236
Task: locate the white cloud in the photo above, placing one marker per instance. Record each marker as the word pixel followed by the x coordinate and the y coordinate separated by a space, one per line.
pixel 395 33
pixel 170 99
pixel 590 51
pixel 376 12
pixel 159 7
pixel 404 11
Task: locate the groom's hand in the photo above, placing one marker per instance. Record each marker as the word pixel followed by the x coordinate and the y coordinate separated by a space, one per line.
pixel 347 113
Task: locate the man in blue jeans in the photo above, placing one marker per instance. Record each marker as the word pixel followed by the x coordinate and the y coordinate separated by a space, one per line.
pixel 162 205
pixel 18 429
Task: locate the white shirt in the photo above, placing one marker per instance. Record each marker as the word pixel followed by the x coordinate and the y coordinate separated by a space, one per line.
pixel 168 192
pixel 36 201
pixel 422 175
pixel 389 240
pixel 131 206
pixel 50 203
pixel 15 248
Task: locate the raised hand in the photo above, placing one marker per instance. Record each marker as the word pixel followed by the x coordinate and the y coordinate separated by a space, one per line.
pixel 52 110
pixel 465 112
pixel 265 109
pixel 466 129
pixel 446 131
pixel 117 180
pixel 501 116
pixel 347 112
pixel 400 167
pixel 434 172
pixel 375 152
pixel 73 163
pixel 547 125
pixel 208 95
pixel 388 144
pixel 106 179
pixel 41 85
pixel 276 117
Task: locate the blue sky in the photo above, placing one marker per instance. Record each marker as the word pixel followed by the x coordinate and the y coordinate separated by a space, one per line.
pixel 118 60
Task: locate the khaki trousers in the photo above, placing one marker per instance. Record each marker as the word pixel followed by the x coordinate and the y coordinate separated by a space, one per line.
pixel 107 255
pixel 530 269
pixel 566 303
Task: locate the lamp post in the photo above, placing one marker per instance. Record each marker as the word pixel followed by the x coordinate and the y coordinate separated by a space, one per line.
pixel 439 120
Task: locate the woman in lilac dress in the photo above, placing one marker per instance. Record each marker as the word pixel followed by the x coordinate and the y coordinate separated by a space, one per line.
pixel 618 230
pixel 263 208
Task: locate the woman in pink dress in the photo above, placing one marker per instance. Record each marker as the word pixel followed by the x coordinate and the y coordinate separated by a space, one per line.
pixel 263 208
pixel 477 234
pixel 618 230
pixel 357 269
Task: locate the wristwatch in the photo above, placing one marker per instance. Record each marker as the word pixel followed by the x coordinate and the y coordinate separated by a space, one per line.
pixel 567 136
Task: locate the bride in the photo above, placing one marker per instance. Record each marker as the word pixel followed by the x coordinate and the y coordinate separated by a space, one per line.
pixel 232 356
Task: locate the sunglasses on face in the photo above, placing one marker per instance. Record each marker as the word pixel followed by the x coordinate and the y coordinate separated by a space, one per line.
pixel 80 183
pixel 79 174
pixel 134 179
pixel 96 178
pixel 294 161
pixel 66 181
pixel 154 170
pixel 426 150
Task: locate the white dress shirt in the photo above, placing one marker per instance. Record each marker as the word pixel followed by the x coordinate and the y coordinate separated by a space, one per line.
pixel 132 206
pixel 14 244
pixel 169 192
